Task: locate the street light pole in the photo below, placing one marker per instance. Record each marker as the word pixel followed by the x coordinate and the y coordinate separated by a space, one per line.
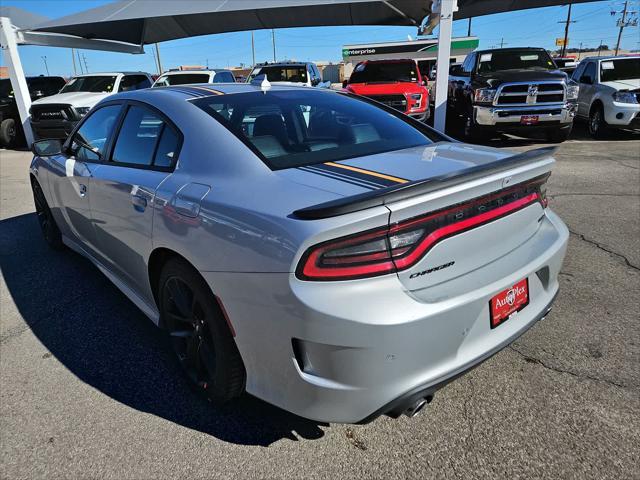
pixel 273 39
pixel 253 50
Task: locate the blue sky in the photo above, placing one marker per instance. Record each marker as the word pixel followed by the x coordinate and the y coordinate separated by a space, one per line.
pixel 537 27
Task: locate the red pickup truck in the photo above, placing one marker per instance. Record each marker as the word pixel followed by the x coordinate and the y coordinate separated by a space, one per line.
pixel 396 83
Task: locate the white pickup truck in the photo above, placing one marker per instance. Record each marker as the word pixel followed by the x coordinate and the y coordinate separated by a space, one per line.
pixel 57 115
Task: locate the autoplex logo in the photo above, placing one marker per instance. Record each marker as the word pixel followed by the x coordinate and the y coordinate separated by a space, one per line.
pixel 510 297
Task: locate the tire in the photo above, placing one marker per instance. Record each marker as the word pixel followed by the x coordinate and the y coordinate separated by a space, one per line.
pixel 11 134
pixel 558 135
pixel 199 334
pixel 597 125
pixel 48 225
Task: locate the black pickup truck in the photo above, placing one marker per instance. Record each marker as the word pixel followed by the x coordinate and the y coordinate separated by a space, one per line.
pixel 11 134
pixel 512 90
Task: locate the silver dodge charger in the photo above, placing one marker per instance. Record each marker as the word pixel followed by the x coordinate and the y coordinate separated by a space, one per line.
pixel 318 250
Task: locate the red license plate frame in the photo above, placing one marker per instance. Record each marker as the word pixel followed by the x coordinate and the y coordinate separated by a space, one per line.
pixel 508 302
pixel 529 119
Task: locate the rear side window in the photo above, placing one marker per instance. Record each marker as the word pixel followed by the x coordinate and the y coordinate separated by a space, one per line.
pixel 133 82
pixel 292 128
pixel 182 79
pixel 90 140
pixel 145 140
pixel 224 77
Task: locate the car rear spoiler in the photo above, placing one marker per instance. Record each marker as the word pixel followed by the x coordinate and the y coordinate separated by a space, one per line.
pixel 394 193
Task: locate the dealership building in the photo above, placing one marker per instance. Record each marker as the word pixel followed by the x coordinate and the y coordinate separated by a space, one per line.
pixel 424 51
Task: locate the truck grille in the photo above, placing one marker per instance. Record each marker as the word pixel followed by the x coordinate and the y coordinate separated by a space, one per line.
pixel 398 102
pixel 530 93
pixel 52 111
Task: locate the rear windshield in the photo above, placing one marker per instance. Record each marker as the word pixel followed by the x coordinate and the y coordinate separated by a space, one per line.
pixel 285 73
pixel 384 72
pixel 621 69
pixel 292 128
pixel 182 79
pixel 515 60
pixel 97 84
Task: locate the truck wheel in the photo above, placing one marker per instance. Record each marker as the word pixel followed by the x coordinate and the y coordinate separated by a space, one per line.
pixel 597 125
pixel 558 135
pixel 9 132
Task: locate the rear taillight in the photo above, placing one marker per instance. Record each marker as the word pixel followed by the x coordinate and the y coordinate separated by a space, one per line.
pixel 400 246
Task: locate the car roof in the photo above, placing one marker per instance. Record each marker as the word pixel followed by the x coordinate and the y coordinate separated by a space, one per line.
pixel 187 72
pixel 510 49
pixel 97 74
pixel 612 57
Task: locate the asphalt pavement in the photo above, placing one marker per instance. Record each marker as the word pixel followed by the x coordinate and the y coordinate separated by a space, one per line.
pixel 88 387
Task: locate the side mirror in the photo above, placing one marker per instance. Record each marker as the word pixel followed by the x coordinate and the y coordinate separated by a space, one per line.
pixel 344 84
pixel 47 148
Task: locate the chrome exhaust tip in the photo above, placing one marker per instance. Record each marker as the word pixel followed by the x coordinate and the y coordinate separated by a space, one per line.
pixel 416 407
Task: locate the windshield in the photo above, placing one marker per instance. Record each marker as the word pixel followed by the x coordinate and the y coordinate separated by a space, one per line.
pixel 284 73
pixel 97 84
pixel 620 69
pixel 292 128
pixel 384 72
pixel 515 60
pixel 181 79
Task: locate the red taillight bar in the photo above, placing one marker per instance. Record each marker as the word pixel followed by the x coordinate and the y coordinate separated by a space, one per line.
pixel 428 230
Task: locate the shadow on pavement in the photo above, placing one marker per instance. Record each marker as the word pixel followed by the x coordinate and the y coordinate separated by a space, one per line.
pixel 100 336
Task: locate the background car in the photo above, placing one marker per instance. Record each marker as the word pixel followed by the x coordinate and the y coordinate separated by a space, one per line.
pixel 303 73
pixel 395 83
pixel 186 77
pixel 57 115
pixel 609 93
pixel 512 90
pixel 11 134
pixel 340 264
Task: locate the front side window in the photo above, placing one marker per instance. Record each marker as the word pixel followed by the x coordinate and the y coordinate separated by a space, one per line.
pixel 501 60
pixel 589 75
pixel 143 140
pixel 385 72
pixel 620 69
pixel 90 140
pixel 133 82
pixel 292 128
pixel 97 84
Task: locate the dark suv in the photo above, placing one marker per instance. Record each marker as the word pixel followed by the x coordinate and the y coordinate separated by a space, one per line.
pixel 512 90
pixel 11 134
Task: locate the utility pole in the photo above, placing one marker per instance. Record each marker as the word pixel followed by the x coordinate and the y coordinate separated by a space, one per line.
pixel 580 51
pixel 84 58
pixel 623 22
pixel 273 39
pixel 253 50
pixel 469 28
pixel 46 67
pixel 566 31
pixel 599 47
pixel 73 59
pixel 158 59
pixel 80 62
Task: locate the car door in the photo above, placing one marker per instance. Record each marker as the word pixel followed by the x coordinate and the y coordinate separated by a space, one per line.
pixel 587 80
pixel 140 158
pixel 73 172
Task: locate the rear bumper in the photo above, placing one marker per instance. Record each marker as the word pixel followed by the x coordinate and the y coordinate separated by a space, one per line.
pixel 505 116
pixel 349 351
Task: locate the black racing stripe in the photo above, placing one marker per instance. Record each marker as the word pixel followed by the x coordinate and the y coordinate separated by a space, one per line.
pixel 343 176
pixel 333 177
pixel 381 182
pixel 188 91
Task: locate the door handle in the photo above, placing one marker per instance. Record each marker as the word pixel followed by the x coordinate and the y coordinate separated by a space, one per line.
pixel 139 203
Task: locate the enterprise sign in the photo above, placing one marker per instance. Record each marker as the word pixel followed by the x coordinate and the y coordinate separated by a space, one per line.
pixel 413 47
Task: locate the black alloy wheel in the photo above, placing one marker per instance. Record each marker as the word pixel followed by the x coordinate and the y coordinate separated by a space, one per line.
pixel 199 334
pixel 48 225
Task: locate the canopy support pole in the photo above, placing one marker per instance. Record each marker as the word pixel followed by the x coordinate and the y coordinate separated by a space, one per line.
pixel 447 8
pixel 16 75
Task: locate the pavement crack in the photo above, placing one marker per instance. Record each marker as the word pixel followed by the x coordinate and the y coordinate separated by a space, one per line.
pixel 604 249
pixel 537 361
pixel 620 162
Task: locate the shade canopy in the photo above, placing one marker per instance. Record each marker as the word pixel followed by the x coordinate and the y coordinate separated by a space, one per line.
pixel 141 22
